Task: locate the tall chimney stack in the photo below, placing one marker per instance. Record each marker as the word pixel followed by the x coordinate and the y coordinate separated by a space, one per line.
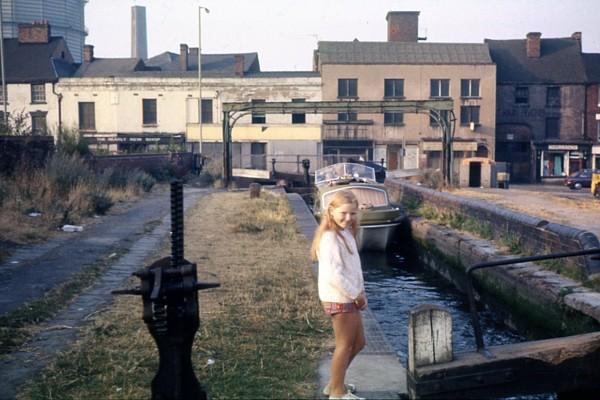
pixel 139 42
pixel 183 57
pixel 577 36
pixel 403 26
pixel 88 53
pixel 534 45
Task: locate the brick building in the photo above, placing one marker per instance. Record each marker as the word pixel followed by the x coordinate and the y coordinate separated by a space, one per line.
pixel 541 103
pixel 403 68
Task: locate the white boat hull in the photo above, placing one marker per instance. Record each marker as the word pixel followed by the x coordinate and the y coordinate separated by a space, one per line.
pixel 376 237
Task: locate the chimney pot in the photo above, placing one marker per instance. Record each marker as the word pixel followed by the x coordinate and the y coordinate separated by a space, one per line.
pixel 403 26
pixel 183 57
pixel 534 45
pixel 239 65
pixel 88 53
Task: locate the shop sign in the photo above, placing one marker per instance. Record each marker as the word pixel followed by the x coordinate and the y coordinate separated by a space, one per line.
pixel 595 149
pixel 562 147
pixel 174 139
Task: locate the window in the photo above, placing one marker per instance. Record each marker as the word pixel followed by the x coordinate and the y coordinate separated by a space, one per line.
pixel 433 121
pixel 347 87
pixel 469 114
pixel 521 95
pixel 347 116
pixel 38 123
pixel 553 96
pixel 2 95
pixel 393 87
pixel 469 88
pixel 207 111
pixel 87 117
pixel 598 130
pixel 298 118
pixel 257 116
pixel 38 93
pixel 552 127
pixel 258 156
pixel 393 118
pixel 149 111
pixel 440 88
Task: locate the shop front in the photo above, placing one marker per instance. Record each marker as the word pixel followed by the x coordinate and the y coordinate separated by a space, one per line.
pixel 559 160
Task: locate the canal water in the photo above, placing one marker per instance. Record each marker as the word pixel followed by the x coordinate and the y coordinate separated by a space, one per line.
pixel 394 287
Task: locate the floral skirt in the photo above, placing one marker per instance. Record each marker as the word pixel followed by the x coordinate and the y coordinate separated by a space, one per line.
pixel 337 308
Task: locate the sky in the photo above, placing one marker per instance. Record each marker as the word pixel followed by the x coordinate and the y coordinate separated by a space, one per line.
pixel 284 33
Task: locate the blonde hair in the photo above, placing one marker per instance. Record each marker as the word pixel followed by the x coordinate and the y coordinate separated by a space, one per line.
pixel 338 199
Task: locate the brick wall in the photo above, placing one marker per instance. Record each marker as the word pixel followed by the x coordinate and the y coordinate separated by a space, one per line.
pixel 536 236
pixel 157 165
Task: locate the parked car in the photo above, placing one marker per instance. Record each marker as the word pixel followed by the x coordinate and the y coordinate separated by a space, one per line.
pixel 580 179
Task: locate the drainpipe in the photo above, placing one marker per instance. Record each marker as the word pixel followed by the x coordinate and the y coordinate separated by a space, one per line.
pixel 60 97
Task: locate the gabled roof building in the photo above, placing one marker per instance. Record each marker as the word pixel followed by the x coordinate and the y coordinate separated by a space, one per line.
pixel 540 106
pixel 34 62
pixel 405 69
pixel 592 112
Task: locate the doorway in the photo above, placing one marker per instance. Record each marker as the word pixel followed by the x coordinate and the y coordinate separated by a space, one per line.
pixel 475 174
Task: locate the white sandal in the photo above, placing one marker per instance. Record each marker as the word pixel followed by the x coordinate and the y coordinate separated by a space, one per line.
pixel 347 396
pixel 350 388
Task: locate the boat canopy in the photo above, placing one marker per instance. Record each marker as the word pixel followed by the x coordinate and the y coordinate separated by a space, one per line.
pixel 345 172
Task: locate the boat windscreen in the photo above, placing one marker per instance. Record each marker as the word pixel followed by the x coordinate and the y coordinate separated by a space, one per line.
pixel 345 171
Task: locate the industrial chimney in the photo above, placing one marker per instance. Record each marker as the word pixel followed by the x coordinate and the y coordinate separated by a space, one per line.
pixel 139 45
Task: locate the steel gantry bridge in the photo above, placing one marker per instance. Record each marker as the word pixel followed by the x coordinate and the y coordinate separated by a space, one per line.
pixel 440 110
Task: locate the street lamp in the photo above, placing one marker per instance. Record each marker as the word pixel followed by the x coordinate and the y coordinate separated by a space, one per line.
pixel 200 8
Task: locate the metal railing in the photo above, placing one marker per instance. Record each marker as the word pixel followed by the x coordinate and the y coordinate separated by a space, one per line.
pixel 510 261
pixel 347 132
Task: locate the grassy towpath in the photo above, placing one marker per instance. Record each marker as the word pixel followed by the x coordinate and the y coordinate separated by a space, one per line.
pixel 262 333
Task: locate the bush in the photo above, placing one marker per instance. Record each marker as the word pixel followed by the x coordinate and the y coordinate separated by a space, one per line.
pixel 67 171
pixel 101 201
pixel 70 142
pixel 141 180
pixel 211 173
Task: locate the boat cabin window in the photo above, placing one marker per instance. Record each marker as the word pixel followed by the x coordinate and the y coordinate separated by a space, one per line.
pixel 370 196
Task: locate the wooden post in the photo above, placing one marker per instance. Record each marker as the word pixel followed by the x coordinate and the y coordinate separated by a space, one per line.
pixel 429 336
pixel 254 190
pixel 429 339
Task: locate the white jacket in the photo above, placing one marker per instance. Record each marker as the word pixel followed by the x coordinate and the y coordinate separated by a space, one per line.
pixel 340 272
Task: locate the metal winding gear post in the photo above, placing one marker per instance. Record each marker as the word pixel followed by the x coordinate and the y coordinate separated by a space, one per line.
pixel 169 290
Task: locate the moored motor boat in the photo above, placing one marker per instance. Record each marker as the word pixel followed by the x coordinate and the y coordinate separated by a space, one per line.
pixel 379 219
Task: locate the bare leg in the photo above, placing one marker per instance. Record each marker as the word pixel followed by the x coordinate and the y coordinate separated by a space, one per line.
pixel 360 341
pixel 346 328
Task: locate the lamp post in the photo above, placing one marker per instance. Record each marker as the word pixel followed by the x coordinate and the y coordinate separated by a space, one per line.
pixel 200 8
pixel 4 91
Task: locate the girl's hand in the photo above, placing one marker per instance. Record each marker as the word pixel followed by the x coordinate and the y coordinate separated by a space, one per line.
pixel 361 301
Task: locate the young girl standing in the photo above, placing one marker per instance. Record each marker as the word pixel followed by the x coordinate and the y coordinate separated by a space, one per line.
pixel 341 286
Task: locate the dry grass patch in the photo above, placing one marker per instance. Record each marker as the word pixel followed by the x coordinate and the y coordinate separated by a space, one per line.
pixel 264 328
